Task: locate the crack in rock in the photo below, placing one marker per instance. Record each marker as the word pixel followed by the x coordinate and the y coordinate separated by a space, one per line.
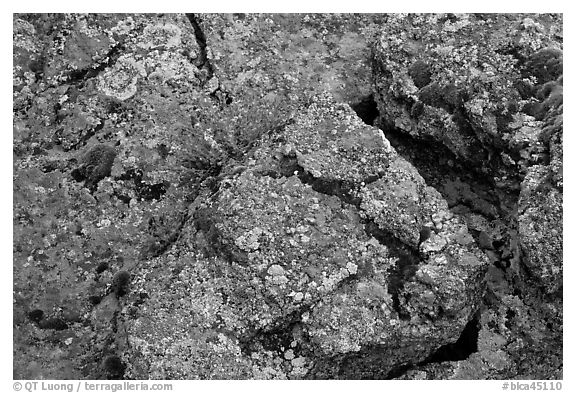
pixel 407 257
pixel 79 77
pixel 217 93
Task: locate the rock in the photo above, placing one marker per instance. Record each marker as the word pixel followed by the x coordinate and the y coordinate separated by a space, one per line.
pixel 540 208
pixel 351 297
pixel 463 80
pixel 203 196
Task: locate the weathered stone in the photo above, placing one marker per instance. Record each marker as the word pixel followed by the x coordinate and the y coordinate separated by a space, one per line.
pixel 204 197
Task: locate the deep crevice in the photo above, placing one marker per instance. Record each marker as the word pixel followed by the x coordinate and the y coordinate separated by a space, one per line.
pixel 201 40
pixel 372 361
pixel 466 345
pixel 220 95
pixel 366 109
pixel 403 270
pixel 465 187
pixel 277 338
pixel 79 77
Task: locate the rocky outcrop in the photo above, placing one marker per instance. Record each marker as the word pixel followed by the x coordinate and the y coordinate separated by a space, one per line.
pixel 487 103
pixel 470 82
pixel 303 240
pixel 494 112
pixel 207 197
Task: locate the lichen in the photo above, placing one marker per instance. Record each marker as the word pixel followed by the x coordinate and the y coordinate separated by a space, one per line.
pixel 121 82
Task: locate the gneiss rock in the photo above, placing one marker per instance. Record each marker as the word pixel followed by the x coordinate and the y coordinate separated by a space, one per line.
pixel 275 234
pixel 434 80
pixel 296 246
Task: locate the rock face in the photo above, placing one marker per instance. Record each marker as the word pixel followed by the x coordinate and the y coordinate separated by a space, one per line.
pixel 469 81
pixel 487 89
pixel 305 260
pixel 206 197
pixel 540 210
pixel 488 104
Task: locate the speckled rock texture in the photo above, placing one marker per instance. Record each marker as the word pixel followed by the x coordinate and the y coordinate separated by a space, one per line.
pixel 274 226
pixel 287 196
pixel 487 90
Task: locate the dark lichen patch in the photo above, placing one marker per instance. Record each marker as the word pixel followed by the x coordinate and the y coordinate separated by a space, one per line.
pixel 37 67
pixel 425 233
pixel 144 190
pixel 114 367
pixel 417 109
pixel 94 299
pixel 53 323
pixel 546 65
pixel 142 296
pixel 121 283
pixel 36 315
pixel 277 339
pixel 163 150
pixel 102 267
pixel 420 73
pixel 95 165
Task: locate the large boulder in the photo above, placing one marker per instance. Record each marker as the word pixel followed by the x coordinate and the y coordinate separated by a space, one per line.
pixel 303 240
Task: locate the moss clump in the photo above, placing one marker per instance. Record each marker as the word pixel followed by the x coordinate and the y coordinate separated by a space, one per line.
pixel 94 299
pixel 113 367
pixel 420 73
pixel 550 95
pixel 102 266
pixel 425 234
pixel 121 283
pixel 545 65
pixel 36 315
pixel 95 165
pixel 53 323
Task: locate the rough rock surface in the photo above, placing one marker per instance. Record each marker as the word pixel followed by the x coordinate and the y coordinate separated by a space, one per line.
pixel 471 82
pixel 274 225
pixel 206 197
pixel 486 92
